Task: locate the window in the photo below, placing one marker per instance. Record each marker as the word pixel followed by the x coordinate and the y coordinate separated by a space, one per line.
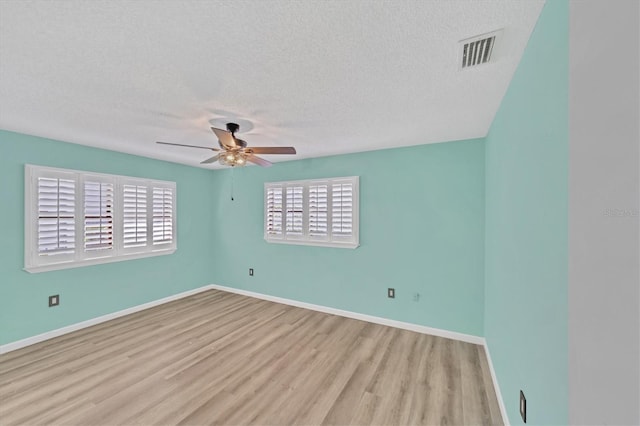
pixel 162 215
pixel 295 212
pixel 320 212
pixel 75 218
pixel 56 197
pixel 273 211
pixel 134 224
pixel 98 215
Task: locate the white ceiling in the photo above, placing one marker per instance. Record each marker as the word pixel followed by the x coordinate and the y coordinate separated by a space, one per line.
pixel 327 77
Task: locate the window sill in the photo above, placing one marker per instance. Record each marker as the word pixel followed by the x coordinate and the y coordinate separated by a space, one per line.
pixel 96 261
pixel 345 245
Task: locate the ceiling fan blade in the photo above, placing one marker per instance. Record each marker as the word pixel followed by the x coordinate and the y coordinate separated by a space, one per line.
pixel 190 146
pixel 225 138
pixel 210 160
pixel 272 150
pixel 259 161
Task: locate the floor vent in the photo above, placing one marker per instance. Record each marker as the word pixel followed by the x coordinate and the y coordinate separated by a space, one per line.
pixel 478 50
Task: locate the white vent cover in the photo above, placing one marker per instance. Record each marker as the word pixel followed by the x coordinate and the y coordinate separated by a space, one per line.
pixel 477 50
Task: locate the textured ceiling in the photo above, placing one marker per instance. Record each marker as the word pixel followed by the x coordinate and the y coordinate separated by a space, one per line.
pixel 327 77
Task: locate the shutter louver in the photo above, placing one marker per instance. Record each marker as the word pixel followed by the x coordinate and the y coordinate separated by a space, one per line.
pixel 342 210
pixel 318 211
pixel 98 216
pixel 294 211
pixel 162 215
pixel 134 216
pixel 56 216
pixel 274 211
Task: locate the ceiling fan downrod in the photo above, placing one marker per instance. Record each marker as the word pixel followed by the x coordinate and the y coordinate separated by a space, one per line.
pixel 233 128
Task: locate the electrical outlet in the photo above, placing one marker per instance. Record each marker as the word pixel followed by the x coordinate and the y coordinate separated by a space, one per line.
pixel 54 300
pixel 391 293
pixel 250 272
pixel 523 407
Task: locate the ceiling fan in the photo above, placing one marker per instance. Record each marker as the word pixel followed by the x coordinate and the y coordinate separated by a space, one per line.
pixel 234 151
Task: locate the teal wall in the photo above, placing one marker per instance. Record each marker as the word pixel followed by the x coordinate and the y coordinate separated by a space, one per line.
pixel 421 230
pixel 526 227
pixel 93 291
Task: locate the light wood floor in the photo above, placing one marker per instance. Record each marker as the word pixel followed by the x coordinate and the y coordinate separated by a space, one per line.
pixel 221 358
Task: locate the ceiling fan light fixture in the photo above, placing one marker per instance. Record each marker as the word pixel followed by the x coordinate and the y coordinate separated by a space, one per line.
pixel 234 159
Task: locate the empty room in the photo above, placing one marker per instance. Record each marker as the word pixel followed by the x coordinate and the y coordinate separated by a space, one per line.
pixel 357 212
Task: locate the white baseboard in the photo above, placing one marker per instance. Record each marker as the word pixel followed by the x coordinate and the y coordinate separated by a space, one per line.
pixel 496 386
pixel 88 323
pixel 355 315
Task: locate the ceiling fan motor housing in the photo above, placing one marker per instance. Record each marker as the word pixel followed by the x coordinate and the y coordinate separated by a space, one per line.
pixel 233 128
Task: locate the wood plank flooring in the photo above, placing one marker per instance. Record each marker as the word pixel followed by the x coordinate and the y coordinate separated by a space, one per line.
pixel 222 358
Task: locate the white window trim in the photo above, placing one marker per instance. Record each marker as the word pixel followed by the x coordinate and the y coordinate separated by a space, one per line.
pixel 307 239
pixel 34 263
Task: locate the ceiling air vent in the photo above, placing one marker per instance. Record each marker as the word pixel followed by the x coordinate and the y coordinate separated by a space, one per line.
pixel 477 50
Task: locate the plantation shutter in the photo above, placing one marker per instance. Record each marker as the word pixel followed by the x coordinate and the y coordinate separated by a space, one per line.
pixel 295 212
pixel 274 212
pixel 134 223
pixel 75 218
pixel 318 211
pixel 56 216
pixel 162 201
pixel 98 215
pixel 342 197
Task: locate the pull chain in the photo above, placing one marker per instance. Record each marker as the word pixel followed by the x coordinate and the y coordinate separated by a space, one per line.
pixel 232 183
